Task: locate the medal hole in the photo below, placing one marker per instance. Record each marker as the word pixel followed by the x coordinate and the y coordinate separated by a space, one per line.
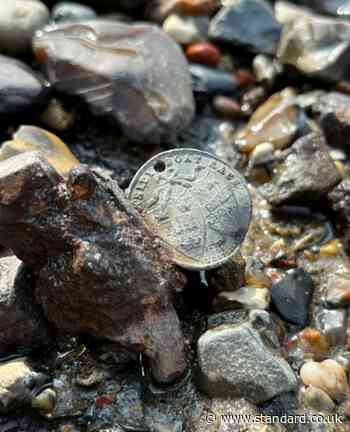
pixel 159 166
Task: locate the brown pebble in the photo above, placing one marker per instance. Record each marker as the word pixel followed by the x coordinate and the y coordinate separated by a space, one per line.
pixel 197 7
pixel 204 53
pixel 227 107
pixel 244 77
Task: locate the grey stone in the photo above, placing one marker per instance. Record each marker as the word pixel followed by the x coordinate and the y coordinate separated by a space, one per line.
pixel 211 81
pixel 19 19
pixel 332 324
pixel 134 73
pixel 304 173
pixel 71 11
pixel 22 323
pixel 20 87
pixel 248 23
pixel 236 360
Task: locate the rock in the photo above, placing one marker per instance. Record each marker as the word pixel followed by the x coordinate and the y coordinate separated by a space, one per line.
pixel 317 46
pixel 98 270
pixel 18 383
pixel 265 69
pixel 71 11
pixel 340 8
pixel 333 111
pixel 228 277
pixel 261 154
pixel 204 53
pixel 234 361
pixel 227 107
pixel 339 199
pixel 124 78
pixel 160 9
pixel 275 122
pixel 246 297
pixel 328 376
pixel 186 30
pixel 20 87
pixel 45 401
pixel 292 295
pixel 332 324
pixel 248 23
pixel 317 399
pixel 56 117
pixel 338 290
pixel 298 181
pixel 210 81
pixel 22 323
pixel 19 19
pixel 286 12
pixel 32 138
pixel 255 274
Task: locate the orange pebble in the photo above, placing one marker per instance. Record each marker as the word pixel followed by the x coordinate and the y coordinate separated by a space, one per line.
pixel 204 53
pixel 244 77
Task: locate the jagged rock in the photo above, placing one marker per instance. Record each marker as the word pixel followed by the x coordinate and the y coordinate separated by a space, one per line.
pixel 248 23
pixel 235 360
pixel 98 270
pixel 31 138
pixel 333 110
pixel 317 46
pixel 20 87
pixel 18 384
pixel 116 69
pixel 304 174
pixel 22 323
pixel 19 19
pixel 339 199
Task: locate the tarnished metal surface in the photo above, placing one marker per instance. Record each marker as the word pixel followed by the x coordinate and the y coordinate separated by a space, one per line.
pixel 194 202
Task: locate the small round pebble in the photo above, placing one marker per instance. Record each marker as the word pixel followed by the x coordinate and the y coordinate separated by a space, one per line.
pixel 227 107
pixel 204 53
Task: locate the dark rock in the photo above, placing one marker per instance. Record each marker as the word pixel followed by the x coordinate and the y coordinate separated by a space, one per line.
pixel 339 199
pixel 292 295
pixel 18 384
pixel 115 69
pixel 98 270
pixel 20 87
pixel 209 81
pixel 248 23
pixel 317 46
pixel 228 277
pixel 333 110
pixel 304 174
pixel 70 12
pixel 239 361
pixel 22 323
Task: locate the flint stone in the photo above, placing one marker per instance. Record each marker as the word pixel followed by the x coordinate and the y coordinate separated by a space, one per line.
pixel 333 111
pixel 98 270
pixel 134 73
pixel 235 361
pixel 22 323
pixel 339 199
pixel 20 87
pixel 19 19
pixel 248 23
pixel 317 46
pixel 305 173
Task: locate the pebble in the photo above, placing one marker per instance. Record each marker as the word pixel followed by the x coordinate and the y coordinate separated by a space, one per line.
pixel 261 154
pixel 56 117
pixel 234 361
pixel 227 107
pixel 247 23
pixel 185 29
pixel 160 9
pixel 275 122
pixel 328 376
pixel 71 11
pixel 338 290
pixel 19 19
pixel 339 199
pixel 317 399
pixel 204 53
pixel 45 401
pixel 244 77
pixel 155 100
pixel 227 277
pixel 255 274
pixel 295 180
pixel 331 248
pixel 210 81
pixel 32 138
pixel 246 297
pixel 332 324
pixel 292 296
pixel 20 87
pixel 266 69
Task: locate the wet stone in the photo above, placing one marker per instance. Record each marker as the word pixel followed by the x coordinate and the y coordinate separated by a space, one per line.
pixel 22 323
pixel 247 23
pixel 20 87
pixel 332 324
pixel 296 180
pixel 18 384
pixel 338 8
pixel 160 9
pixel 151 100
pixel 204 53
pixel 186 30
pixel 227 107
pixel 292 295
pixel 71 11
pixel 32 138
pixel 57 117
pixel 210 81
pixel 19 19
pixel 236 360
pixel 85 223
